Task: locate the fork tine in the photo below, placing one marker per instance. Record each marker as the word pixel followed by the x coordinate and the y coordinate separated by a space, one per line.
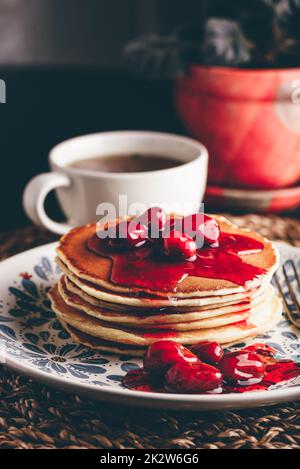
pixel 295 272
pixel 291 290
pixel 285 303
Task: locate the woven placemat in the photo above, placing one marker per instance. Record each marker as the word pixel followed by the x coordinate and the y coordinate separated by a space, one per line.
pixel 35 416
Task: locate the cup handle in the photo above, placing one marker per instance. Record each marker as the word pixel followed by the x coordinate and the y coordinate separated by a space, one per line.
pixel 34 197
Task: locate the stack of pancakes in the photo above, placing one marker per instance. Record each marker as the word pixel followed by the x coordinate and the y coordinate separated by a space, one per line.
pixel 126 319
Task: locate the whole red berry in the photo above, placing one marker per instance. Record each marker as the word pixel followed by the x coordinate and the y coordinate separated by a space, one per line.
pixel 136 378
pixel 202 228
pixel 242 367
pixel 179 246
pixel 133 234
pixel 163 354
pixel 154 219
pixel 208 352
pixel 193 378
pixel 265 352
pixel 261 349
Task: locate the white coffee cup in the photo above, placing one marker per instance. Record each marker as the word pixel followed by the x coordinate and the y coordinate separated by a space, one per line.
pixel 80 191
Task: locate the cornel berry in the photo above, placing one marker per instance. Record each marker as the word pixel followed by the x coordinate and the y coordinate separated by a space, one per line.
pixel 132 234
pixel 179 246
pixel 242 367
pixel 209 352
pixel 193 378
pixel 161 264
pixel 171 367
pixel 266 353
pixel 202 228
pixel 165 353
pixel 155 219
pixel 138 379
pixel 261 349
pixel 178 237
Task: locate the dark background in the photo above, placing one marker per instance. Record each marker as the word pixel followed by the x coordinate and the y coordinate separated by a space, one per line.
pixel 62 64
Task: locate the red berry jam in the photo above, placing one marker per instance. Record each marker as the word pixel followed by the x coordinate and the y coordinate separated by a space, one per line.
pixel 133 234
pixel 242 368
pixel 164 353
pixel 139 380
pixel 202 228
pixel 208 352
pixel 261 349
pixel 193 378
pixel 179 246
pixel 162 266
pixel 155 219
pixel 265 352
pixel 175 369
pixel 126 235
pixel 147 268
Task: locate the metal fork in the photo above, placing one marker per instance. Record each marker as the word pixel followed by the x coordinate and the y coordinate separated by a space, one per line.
pixel 293 297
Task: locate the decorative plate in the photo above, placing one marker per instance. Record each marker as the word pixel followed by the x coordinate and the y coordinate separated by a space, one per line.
pixel 34 343
pixel 268 201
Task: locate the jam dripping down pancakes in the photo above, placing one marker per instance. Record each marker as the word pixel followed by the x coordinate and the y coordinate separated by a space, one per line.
pixel 129 293
pixel 148 269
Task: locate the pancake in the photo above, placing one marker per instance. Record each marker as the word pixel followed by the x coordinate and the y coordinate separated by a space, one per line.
pixel 120 318
pixel 103 345
pixel 90 267
pixel 241 299
pixel 95 291
pixel 177 321
pixel 91 326
pixel 135 351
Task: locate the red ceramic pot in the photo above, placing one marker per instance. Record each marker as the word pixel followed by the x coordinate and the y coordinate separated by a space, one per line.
pixel 248 119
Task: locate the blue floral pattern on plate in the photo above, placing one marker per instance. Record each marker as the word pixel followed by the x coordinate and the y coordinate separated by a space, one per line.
pixel 30 332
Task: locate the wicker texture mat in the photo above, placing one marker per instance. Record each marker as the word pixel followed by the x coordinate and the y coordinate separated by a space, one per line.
pixel 35 416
